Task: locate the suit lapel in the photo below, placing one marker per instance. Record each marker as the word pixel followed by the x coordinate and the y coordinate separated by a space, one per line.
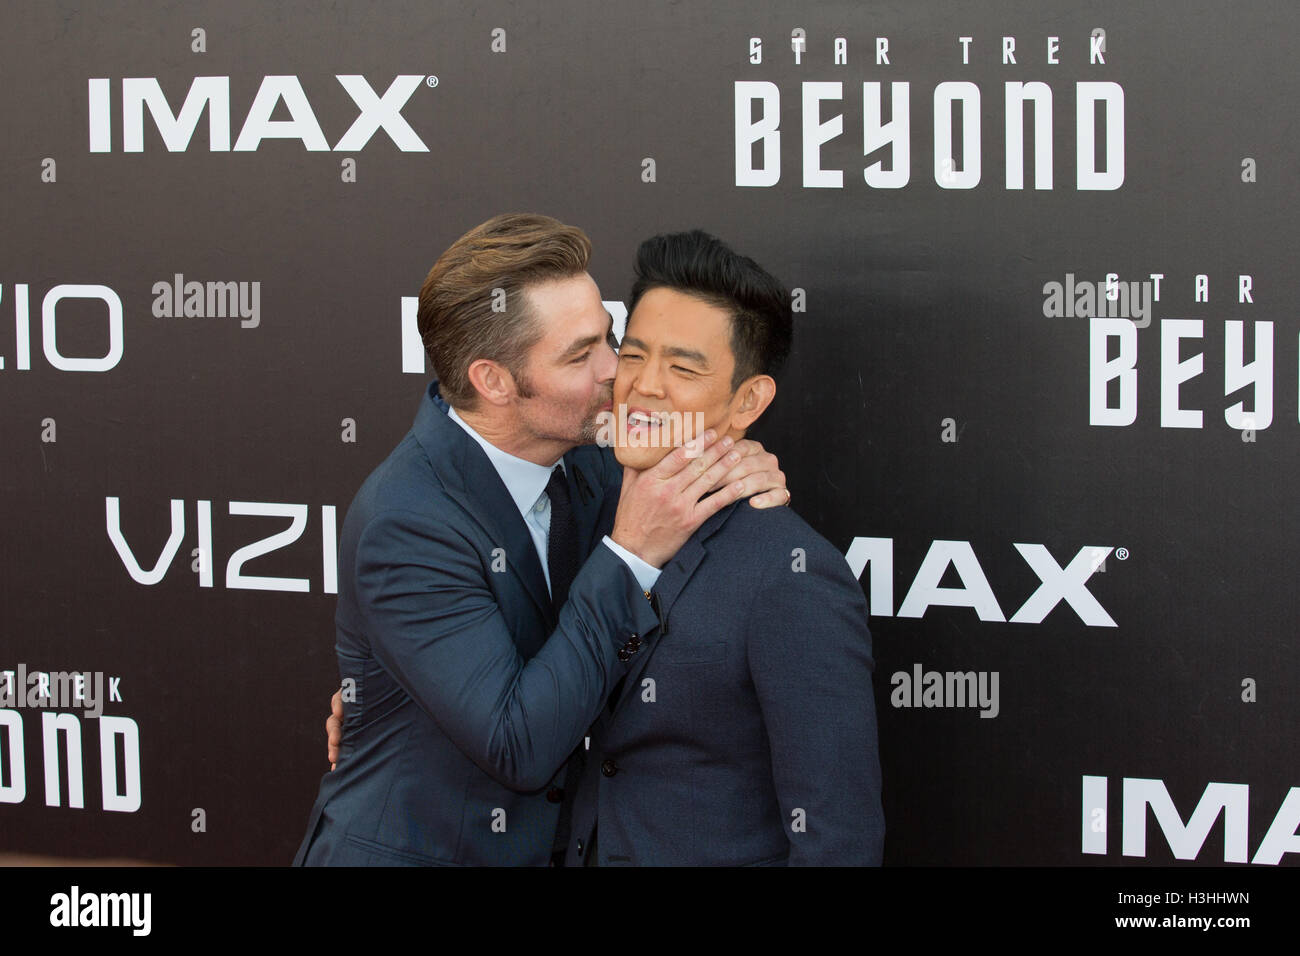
pixel 470 480
pixel 583 492
pixel 668 589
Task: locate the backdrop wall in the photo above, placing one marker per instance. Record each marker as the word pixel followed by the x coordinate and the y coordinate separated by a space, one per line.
pixel 1070 500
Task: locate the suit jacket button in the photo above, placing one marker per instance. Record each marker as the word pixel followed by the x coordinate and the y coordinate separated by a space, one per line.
pixel 608 767
pixel 624 654
pixel 579 848
pixel 555 795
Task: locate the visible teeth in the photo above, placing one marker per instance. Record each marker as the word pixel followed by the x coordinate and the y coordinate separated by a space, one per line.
pixel 638 418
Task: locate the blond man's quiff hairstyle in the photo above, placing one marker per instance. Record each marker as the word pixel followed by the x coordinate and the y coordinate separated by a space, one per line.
pixel 457 322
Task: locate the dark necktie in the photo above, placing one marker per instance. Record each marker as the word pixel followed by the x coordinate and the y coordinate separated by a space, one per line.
pixel 562 540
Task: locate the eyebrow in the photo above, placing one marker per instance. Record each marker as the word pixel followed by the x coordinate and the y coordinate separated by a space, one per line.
pixel 588 341
pixel 674 351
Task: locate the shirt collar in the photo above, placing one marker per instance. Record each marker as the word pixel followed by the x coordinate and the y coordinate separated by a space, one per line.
pixel 524 480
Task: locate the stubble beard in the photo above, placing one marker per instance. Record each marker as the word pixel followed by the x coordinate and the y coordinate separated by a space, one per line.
pixel 587 430
pixel 590 428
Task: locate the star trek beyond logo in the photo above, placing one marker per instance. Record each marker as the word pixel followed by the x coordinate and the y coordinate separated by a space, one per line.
pixel 61 706
pixel 375 112
pixel 1188 356
pixel 824 103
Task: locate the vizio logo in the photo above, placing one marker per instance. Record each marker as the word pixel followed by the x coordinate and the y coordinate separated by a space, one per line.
pixel 202 556
pixel 22 354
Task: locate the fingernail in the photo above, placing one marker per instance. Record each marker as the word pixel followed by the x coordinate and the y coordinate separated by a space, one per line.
pixel 710 435
pixel 727 442
pixel 734 457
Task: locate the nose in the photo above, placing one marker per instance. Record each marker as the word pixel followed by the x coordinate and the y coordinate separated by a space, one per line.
pixel 648 380
pixel 606 363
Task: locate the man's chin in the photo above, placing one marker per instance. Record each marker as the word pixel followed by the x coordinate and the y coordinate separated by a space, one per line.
pixel 597 426
pixel 639 459
pixel 594 431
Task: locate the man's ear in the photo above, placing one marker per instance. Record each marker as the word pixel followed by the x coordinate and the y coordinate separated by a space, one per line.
pixel 752 399
pixel 493 381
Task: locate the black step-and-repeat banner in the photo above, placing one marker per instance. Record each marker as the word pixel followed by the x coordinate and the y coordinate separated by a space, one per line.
pixel 1043 395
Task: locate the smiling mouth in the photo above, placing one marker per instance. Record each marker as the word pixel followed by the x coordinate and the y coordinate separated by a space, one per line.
pixel 646 419
pixel 632 427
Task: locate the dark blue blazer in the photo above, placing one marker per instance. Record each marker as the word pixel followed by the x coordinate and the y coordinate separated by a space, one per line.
pixel 747 733
pixel 470 693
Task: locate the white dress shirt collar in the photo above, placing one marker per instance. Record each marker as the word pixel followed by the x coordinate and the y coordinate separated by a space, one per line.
pixel 524 480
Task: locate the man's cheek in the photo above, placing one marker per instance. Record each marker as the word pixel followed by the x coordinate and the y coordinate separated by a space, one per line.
pixel 691 426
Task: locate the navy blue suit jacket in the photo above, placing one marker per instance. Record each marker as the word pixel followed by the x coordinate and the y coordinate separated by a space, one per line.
pixel 747 733
pixel 470 694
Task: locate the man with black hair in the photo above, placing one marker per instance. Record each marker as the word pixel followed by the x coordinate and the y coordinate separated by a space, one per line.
pixel 747 733
pixel 490 570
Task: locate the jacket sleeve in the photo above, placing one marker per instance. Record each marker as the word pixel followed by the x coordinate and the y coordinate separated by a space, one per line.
pixel 435 625
pixel 810 659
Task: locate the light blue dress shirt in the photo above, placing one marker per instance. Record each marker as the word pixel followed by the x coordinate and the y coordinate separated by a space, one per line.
pixel 526 481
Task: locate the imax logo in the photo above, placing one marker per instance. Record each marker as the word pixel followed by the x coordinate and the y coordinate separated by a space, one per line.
pixel 213 94
pixel 1058 583
pixel 1229 800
